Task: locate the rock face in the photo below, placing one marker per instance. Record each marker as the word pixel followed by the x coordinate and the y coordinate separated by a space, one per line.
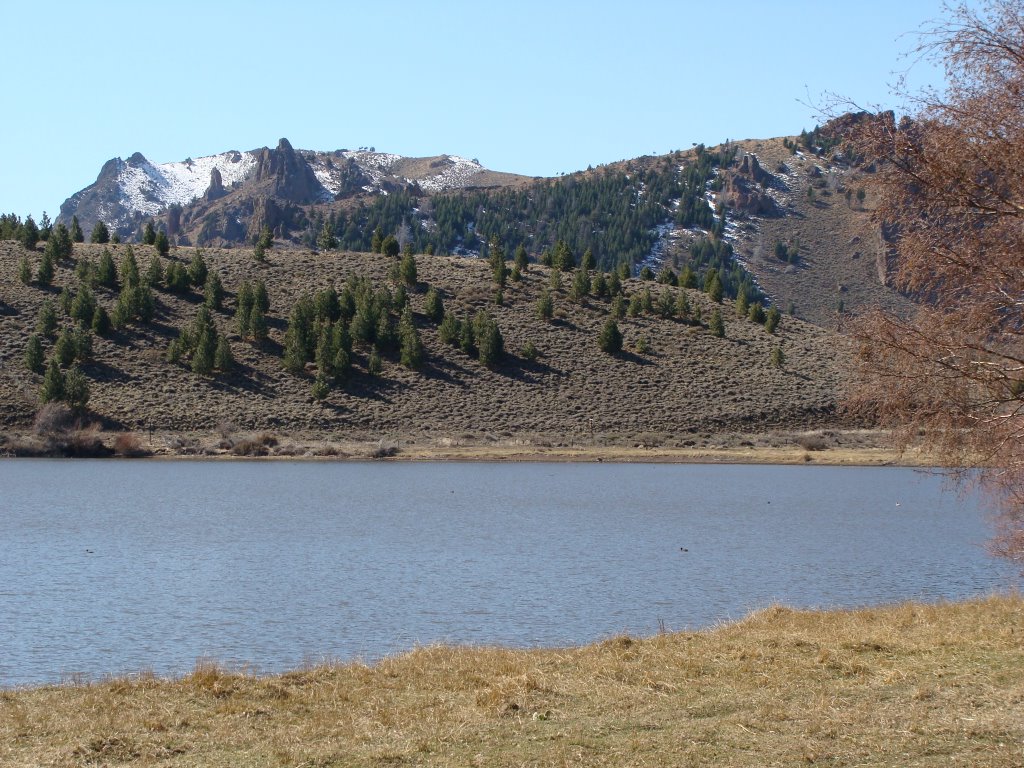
pixel 216 189
pixel 288 175
pixel 745 188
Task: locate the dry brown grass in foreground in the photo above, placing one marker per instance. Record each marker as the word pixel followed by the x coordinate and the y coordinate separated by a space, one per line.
pixel 909 685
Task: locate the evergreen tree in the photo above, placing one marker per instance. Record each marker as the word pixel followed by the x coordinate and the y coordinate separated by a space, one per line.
pixel 213 291
pixel 243 309
pixel 52 389
pixel 756 313
pixel 771 321
pixel 260 297
pixel 588 261
pixel 377 241
pixel 223 360
pixel 411 348
pixel 433 306
pixel 522 261
pixel 258 324
pixel 778 357
pixel 321 386
pixel 106 272
pixel 162 243
pixel 466 341
pixel 555 281
pixel 389 246
pixel 449 330
pixel 716 325
pixel 646 273
pixel 149 233
pixel 326 241
pixel 29 234
pixel 82 338
pixel 76 231
pixel 64 300
pixel 385 338
pixel 176 278
pixel 646 301
pixel 45 227
pixel 100 323
pixel 545 305
pixel 666 276
pixel 155 272
pixel 129 271
pixel 197 269
pixel 44 275
pixel 618 309
pixel 34 354
pixel 407 269
pixel 580 286
pixel 599 286
pixel 264 242
pixel 682 305
pixel 489 343
pixel 100 233
pixel 374 365
pixel 610 339
pixel 24 271
pixel 299 340
pixel 84 306
pixel 687 278
pixel 742 307
pixel 666 303
pixel 59 244
pixel 614 284
pixel 46 324
pixel 714 288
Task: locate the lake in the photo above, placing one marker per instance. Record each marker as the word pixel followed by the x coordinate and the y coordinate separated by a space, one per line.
pixel 110 567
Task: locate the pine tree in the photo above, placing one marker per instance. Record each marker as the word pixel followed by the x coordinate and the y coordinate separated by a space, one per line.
pixel 259 295
pixel 375 365
pixel 682 305
pixel 599 286
pixel 176 278
pixel 64 348
pixel 588 261
pixel 34 354
pixel 716 325
pixel 489 342
pixel 522 261
pixel 299 341
pixel 258 324
pixel 321 386
pixel 100 323
pixel 162 244
pixel 389 246
pixel 197 269
pixel 433 306
pixel 449 330
pixel 155 272
pixel 666 303
pixel 264 242
pixel 580 286
pixel 756 313
pixel 407 269
pixel 106 272
pixel 213 291
pixel 204 353
pixel 223 360
pixel 742 306
pixel 46 325
pixel 377 241
pixel 64 300
pixel 545 305
pixel 714 288
pixel 243 309
pixel 610 339
pixel 29 234
pixel 129 270
pixel 614 284
pixel 149 233
pixel 411 347
pixel 44 275
pixel 52 389
pixel 778 357
pixel 100 233
pixel 326 241
pixel 76 231
pixel 84 306
pixel 771 321
pixel 59 243
pixel 24 271
pixel 45 227
pixel 618 309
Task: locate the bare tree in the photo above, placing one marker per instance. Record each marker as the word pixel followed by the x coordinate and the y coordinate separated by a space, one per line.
pixel 951 192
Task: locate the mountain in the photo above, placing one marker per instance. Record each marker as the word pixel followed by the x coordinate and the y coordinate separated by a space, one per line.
pixel 272 185
pixel 783 221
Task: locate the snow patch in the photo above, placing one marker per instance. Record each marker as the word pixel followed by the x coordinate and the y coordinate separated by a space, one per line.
pixel 150 188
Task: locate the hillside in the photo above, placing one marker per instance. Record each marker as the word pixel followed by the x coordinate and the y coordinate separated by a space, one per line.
pixel 687 386
pixel 756 196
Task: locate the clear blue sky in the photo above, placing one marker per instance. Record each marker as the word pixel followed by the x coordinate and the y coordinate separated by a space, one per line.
pixel 529 87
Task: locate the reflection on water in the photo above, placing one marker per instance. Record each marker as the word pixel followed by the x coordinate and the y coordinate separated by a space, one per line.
pixel 111 567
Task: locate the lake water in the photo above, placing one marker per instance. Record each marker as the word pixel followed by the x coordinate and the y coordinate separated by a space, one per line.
pixel 108 567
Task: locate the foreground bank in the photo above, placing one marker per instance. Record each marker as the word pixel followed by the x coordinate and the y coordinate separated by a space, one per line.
pixel 900 686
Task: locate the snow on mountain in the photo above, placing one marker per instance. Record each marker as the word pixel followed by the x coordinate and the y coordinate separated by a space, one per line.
pixel 150 188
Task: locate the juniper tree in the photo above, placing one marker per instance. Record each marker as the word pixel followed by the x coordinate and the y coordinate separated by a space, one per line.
pixel 618 308
pixel 100 233
pixel 580 286
pixel 756 313
pixel 486 335
pixel 65 299
pixel 100 322
pixel 260 297
pixel 682 305
pixel 84 306
pixel 610 338
pixel 716 325
pixel 76 231
pixel 326 305
pixel 223 359
pixel 389 246
pixel 771 320
pixel 197 269
pixel 46 324
pixel 545 305
pixel 258 324
pixel 24 271
pixel 29 234
pixel 449 330
pixel 176 278
pixel 407 269
pixel 614 284
pixel 106 272
pixel 666 303
pixel 521 260
pixel 34 354
pixel 213 291
pixel 411 348
pixel 778 357
pixel 599 286
pixel 155 272
pixel 44 275
pixel 433 306
pixel 52 389
pixel 244 302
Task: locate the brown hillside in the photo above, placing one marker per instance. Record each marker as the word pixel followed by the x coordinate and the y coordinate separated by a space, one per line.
pixel 689 383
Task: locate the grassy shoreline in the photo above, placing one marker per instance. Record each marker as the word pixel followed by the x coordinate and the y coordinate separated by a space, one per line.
pixel 851 447
pixel 904 685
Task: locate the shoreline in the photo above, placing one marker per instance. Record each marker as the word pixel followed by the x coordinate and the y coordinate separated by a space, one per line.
pixel 826 448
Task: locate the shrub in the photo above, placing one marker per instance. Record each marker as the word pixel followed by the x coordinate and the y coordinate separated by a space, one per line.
pixel 53 418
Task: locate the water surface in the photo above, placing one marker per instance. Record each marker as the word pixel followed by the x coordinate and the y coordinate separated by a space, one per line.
pixel 109 567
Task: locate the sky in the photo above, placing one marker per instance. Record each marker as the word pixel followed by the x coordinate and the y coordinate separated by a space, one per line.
pixel 537 88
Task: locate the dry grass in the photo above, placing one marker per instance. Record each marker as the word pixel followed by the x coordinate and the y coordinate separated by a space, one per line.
pixel 910 685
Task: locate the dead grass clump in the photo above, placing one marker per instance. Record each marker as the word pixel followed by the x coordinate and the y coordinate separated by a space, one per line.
pixel 812 442
pixel 86 443
pixel 53 419
pixel 129 445
pixel 249 447
pixel 384 451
